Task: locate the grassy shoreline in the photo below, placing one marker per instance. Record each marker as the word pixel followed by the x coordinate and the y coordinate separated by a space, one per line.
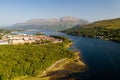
pixel 62 68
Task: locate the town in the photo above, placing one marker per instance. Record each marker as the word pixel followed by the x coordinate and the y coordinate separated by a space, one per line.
pixel 26 38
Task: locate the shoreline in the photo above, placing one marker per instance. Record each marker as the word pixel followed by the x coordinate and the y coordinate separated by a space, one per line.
pixel 70 64
pixel 61 68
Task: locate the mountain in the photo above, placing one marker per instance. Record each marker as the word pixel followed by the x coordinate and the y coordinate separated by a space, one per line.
pixel 104 29
pixel 70 21
pixel 109 24
pixel 50 24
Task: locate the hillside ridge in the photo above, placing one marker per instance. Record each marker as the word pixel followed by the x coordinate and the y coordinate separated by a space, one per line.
pixel 104 29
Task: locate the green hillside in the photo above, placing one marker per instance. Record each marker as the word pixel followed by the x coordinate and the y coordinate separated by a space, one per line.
pixel 105 29
pixel 30 59
pixel 109 24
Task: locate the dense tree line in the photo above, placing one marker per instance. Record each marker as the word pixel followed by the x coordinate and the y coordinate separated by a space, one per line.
pixel 103 33
pixel 30 60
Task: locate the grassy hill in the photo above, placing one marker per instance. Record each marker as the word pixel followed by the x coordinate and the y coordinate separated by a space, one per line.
pixel 109 24
pixel 105 29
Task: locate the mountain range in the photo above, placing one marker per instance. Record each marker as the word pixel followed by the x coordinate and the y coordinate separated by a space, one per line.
pixel 49 24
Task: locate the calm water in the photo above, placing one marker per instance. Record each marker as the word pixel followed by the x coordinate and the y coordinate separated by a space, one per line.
pixel 101 57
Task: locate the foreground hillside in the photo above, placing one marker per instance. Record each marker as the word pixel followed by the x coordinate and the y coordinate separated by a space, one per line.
pixel 105 29
pixel 29 60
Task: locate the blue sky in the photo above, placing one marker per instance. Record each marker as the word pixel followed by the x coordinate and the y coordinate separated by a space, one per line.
pixel 13 11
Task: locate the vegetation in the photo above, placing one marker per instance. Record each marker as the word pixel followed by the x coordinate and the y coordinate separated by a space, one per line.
pixel 65 40
pixel 106 29
pixel 62 70
pixel 30 59
pixel 38 33
pixel 3 32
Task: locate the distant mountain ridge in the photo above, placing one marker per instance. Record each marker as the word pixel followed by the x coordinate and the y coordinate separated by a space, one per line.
pixel 50 24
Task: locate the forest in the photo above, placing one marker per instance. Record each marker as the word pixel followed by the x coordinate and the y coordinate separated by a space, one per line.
pixel 30 59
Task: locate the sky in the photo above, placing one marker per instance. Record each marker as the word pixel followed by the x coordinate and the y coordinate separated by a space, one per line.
pixel 15 11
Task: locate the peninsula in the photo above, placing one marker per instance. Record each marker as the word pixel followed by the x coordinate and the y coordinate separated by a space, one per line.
pixel 37 57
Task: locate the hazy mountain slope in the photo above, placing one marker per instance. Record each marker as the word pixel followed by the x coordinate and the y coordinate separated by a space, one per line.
pixel 109 24
pixel 50 24
pixel 105 29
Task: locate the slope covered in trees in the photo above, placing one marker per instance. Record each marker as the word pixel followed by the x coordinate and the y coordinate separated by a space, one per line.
pixel 105 29
pixel 30 60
